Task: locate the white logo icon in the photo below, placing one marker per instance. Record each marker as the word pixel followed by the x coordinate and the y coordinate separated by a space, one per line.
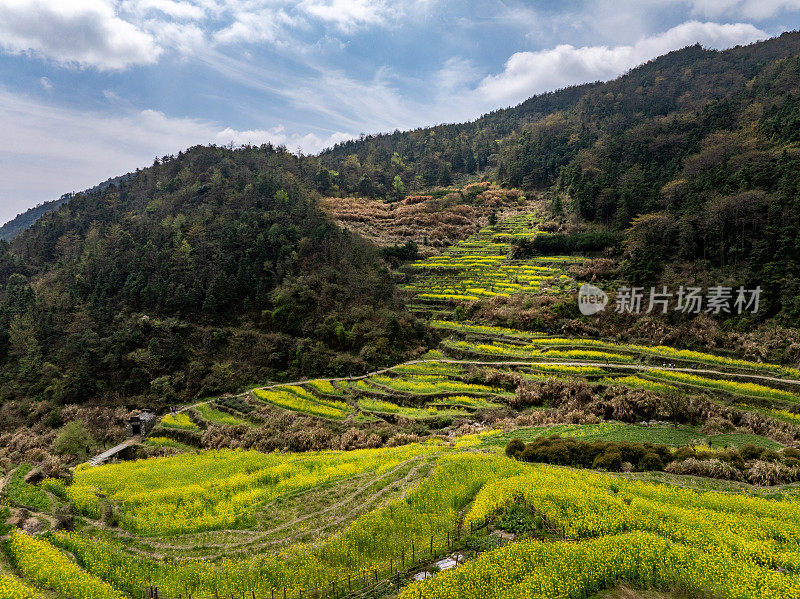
pixel 591 299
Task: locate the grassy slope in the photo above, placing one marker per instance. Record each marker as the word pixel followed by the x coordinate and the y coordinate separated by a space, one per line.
pixel 675 436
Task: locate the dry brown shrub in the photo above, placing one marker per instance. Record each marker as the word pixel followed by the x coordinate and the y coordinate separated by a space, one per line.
pixel 314 438
pixel 590 270
pixel 402 439
pixel 501 378
pixel 713 468
pixel 505 423
pixel 56 467
pixel 354 438
pixel 467 428
pixel 770 473
pixel 537 418
pixel 569 394
pixel 430 222
pixel 716 426
pixel 581 417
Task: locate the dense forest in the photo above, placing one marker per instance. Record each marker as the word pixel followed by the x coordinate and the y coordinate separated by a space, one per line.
pixel 217 267
pixel 695 154
pixel 26 220
pixel 206 271
pixel 23 222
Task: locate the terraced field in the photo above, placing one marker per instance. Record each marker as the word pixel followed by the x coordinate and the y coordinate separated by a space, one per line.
pixel 449 382
pixel 334 516
pixel 480 267
pixel 228 523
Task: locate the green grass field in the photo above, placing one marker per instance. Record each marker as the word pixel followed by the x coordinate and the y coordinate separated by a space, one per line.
pixel 675 436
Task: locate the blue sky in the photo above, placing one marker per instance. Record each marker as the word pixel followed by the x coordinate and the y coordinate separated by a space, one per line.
pixel 90 89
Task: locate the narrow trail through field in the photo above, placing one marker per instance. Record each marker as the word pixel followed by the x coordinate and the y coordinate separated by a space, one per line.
pixel 753 377
pixel 610 366
pixel 6 479
pixel 257 540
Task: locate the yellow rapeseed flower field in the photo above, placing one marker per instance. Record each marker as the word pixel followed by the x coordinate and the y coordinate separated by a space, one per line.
pixel 735 545
pixel 14 589
pixel 40 561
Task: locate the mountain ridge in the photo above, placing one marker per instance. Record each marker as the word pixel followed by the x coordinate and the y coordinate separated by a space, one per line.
pixel 25 220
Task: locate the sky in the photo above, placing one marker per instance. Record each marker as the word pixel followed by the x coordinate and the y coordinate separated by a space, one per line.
pixel 91 89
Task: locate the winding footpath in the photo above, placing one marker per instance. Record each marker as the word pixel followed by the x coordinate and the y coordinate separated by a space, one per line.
pixel 751 377
pixel 611 366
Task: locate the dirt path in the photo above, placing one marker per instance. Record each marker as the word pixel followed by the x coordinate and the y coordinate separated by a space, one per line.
pixel 610 366
pixel 110 453
pixel 259 540
pixel 359 507
pixel 6 479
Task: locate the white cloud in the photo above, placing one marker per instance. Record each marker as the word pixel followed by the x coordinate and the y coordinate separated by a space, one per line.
pixel 186 38
pixel 309 143
pixel 348 15
pixel 266 25
pixel 749 9
pixel 342 102
pixel 86 33
pixel 271 21
pixel 115 34
pixel 46 150
pixel 529 73
pixel 170 8
pixel 46 83
pixel 456 74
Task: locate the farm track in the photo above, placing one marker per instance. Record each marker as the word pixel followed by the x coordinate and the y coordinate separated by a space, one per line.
pixel 362 507
pixel 260 540
pixel 190 536
pixel 612 366
pixel 6 479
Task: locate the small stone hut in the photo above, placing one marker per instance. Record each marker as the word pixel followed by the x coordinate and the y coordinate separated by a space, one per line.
pixel 139 423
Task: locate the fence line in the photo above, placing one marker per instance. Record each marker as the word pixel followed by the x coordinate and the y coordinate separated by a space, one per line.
pixel 364 582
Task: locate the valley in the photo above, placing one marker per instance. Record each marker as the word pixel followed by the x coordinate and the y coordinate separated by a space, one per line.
pixel 421 364
pixel 714 511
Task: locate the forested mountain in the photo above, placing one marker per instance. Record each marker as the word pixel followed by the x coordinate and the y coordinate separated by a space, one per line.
pixel 203 272
pixel 696 152
pixel 217 267
pixel 23 222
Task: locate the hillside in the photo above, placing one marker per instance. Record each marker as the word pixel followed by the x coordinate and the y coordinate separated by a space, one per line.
pixel 523 437
pixel 695 151
pixel 27 219
pixel 203 272
pixel 370 375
